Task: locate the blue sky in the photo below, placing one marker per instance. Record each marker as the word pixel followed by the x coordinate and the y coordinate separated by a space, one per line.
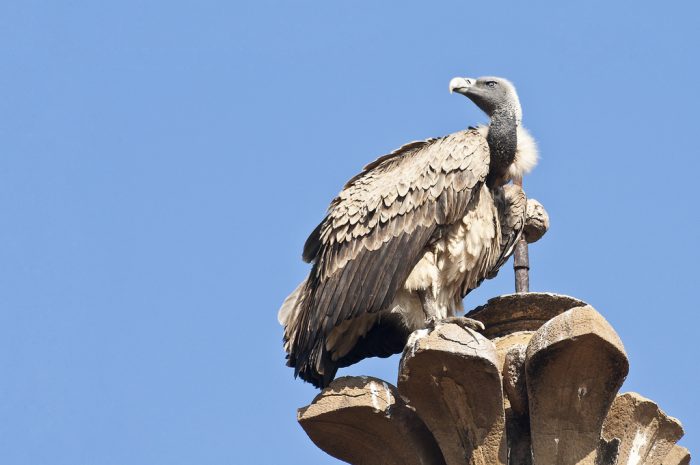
pixel 163 162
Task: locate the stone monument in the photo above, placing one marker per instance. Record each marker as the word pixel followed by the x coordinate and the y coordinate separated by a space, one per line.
pixel 539 386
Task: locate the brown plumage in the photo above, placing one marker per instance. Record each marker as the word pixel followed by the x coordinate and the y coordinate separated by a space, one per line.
pixel 418 221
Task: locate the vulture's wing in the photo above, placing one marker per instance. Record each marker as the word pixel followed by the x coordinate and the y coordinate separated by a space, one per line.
pixel 374 234
pixel 512 207
pixel 512 218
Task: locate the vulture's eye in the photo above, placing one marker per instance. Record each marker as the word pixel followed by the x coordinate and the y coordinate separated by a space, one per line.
pixel 491 83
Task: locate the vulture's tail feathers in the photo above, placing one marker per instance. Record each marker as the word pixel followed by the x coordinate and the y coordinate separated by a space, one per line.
pixel 316 366
pixel 289 309
pixel 306 351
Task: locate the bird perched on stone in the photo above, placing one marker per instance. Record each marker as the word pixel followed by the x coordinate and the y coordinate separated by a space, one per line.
pixel 408 237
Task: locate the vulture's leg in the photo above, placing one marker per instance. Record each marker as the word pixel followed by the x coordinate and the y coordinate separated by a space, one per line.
pixel 430 308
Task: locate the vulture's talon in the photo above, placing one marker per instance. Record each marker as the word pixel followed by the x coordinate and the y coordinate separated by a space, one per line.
pixel 466 323
pixel 461 321
pixel 431 323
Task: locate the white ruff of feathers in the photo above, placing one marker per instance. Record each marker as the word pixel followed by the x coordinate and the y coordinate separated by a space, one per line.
pixel 526 155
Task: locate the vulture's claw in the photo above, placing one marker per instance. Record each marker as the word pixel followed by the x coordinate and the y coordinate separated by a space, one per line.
pixel 466 323
pixel 461 321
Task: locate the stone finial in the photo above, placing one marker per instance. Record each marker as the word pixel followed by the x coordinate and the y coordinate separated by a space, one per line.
pixel 536 221
pixel 678 456
pixel 445 374
pixel 538 386
pixel 647 434
pixel 514 379
pixel 575 364
pixel 364 421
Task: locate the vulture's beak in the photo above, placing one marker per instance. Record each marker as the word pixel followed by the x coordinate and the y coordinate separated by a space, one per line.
pixel 461 85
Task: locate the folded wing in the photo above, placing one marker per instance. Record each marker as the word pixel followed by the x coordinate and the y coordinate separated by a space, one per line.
pixel 373 235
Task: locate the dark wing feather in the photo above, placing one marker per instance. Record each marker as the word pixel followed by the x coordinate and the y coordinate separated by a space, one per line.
pixel 313 244
pixel 387 337
pixel 375 233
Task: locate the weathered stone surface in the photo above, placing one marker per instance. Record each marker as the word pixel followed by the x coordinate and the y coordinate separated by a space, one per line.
pixel 363 421
pixel 518 439
pixel 517 419
pixel 535 394
pixel 505 343
pixel 521 312
pixel 574 367
pixel 536 221
pixel 453 381
pixel 607 452
pixel 678 456
pixel 514 379
pixel 647 435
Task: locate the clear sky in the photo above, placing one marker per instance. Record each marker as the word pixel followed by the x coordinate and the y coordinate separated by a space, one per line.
pixel 162 162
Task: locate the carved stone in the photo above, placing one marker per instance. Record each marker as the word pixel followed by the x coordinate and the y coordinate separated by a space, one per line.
pixel 512 313
pixel 678 456
pixel 538 386
pixel 647 434
pixel 575 365
pixel 516 401
pixel 363 421
pixel 536 221
pixel 452 378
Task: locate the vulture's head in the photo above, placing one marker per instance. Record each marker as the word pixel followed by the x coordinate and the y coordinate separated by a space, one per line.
pixel 491 94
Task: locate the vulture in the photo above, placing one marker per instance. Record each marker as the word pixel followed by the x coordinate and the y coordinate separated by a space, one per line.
pixel 409 236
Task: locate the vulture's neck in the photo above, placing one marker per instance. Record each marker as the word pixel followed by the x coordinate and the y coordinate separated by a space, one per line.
pixel 503 142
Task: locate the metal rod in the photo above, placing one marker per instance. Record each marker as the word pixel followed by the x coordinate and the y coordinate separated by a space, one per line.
pixel 521 259
pixel 521 265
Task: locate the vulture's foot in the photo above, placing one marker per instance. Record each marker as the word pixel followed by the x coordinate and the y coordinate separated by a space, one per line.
pixel 431 309
pixel 462 321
